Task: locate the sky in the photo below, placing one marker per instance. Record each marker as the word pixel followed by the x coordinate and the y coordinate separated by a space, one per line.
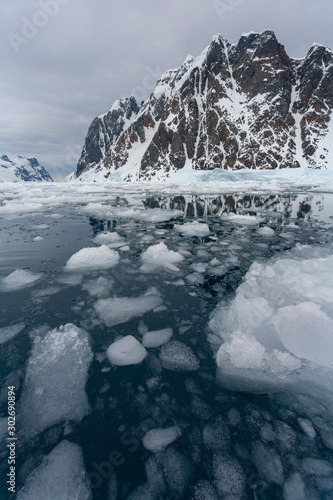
pixel 66 61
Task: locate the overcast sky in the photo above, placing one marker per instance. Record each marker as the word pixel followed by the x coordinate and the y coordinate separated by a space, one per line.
pixel 66 61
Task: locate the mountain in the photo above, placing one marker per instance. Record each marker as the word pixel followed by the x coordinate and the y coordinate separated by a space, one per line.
pixel 247 105
pixel 21 168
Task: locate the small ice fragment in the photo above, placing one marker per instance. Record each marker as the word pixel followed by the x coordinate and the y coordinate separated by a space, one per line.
pixel 58 365
pixel 317 467
pixel 90 259
pixel 266 231
pixel 307 427
pixel 193 229
pixel 38 238
pixel 243 220
pixel 160 309
pixel 125 248
pixel 126 351
pixel 158 439
pixel 61 475
pixel 293 488
pixel 107 238
pixel 268 463
pixel 8 332
pixel 18 279
pixel 114 311
pixel 157 338
pixel 99 288
pixel 177 356
pixel 230 478
pixel 158 256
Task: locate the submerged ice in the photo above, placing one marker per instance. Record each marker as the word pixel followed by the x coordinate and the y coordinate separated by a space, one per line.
pixel 56 375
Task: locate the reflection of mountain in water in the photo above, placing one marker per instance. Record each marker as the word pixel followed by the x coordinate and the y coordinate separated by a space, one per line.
pixel 276 207
pixel 290 205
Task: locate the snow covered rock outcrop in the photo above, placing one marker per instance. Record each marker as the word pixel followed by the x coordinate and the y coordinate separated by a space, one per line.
pixel 21 168
pixel 239 106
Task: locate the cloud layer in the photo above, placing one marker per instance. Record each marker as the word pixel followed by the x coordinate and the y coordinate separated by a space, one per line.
pixel 67 61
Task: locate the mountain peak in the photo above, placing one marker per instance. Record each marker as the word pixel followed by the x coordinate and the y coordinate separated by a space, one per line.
pixel 20 168
pixel 247 105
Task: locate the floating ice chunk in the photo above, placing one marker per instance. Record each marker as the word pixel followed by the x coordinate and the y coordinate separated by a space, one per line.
pixel 195 279
pixel 268 463
pixel 126 351
pixel 293 488
pixel 317 467
pixel 56 376
pixel 297 326
pixel 205 491
pixel 216 436
pixel 157 338
pixel 199 267
pixel 18 279
pixel 195 228
pixel 214 262
pixel 99 288
pixel 229 476
pixel 9 332
pixel 114 311
pixel 243 351
pixel 307 427
pixel 158 256
pixel 266 231
pixel 108 238
pixel 61 476
pixel 125 248
pixel 177 471
pixel 90 259
pixel 158 439
pixel 38 238
pixel 243 220
pixel 177 356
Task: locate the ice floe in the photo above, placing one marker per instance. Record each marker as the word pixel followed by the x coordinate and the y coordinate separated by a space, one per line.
pixel 158 439
pixel 157 338
pixel 56 375
pixel 195 228
pixel 114 311
pixel 19 279
pixel 60 476
pixel 176 356
pixel 159 256
pixel 94 258
pixel 126 351
pixel 9 332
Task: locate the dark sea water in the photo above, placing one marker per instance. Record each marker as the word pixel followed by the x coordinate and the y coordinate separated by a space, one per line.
pixel 224 433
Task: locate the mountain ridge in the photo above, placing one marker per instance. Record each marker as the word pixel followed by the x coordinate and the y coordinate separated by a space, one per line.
pixel 245 105
pixel 20 168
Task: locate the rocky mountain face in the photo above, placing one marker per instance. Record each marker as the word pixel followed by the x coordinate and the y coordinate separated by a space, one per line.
pixel 239 106
pixel 21 168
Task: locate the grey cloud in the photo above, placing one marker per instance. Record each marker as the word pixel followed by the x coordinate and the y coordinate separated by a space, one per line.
pixel 90 53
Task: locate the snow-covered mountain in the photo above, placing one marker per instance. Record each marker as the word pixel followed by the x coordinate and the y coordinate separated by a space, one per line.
pixel 21 168
pixel 247 105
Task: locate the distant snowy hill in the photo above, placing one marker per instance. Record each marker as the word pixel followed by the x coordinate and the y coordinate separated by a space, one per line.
pixel 21 168
pixel 239 106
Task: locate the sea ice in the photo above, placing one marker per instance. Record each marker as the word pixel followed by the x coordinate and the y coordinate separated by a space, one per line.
pixel 293 488
pixel 307 427
pixel 9 332
pixel 317 467
pixel 158 439
pixel 108 239
pixel 157 338
pixel 158 256
pixel 99 288
pixel 230 478
pixel 114 311
pixel 90 259
pixel 266 231
pixel 195 228
pixel 61 476
pixel 18 279
pixel 243 220
pixel 177 356
pixel 56 375
pixel 268 463
pixel 277 332
pixel 126 351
